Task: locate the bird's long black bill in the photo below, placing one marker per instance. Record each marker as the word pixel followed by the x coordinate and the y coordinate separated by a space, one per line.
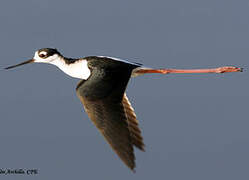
pixel 25 62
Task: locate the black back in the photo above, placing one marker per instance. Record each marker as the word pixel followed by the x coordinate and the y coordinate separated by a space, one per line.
pixel 108 76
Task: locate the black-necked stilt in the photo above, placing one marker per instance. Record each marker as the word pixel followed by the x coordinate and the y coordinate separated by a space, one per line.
pixel 102 92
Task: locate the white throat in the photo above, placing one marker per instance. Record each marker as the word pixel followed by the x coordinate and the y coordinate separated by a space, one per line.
pixel 78 69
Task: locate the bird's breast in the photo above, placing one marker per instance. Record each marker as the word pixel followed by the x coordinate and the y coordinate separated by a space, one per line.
pixel 78 69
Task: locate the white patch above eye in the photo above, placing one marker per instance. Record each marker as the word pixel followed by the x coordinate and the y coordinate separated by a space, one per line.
pixel 43 53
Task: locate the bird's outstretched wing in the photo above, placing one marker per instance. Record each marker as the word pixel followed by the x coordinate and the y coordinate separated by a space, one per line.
pixel 111 112
pixel 135 132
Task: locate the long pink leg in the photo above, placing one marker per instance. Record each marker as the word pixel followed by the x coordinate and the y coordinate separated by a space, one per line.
pixel 212 70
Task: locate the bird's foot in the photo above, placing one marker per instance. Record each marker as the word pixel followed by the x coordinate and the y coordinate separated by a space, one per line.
pixel 229 69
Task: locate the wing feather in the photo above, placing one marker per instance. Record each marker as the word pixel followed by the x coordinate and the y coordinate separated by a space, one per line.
pixel 110 119
pixel 132 121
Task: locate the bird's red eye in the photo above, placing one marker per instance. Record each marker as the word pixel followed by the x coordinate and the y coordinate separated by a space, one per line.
pixel 42 55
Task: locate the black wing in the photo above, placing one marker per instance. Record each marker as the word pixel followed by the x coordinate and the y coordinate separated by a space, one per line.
pixel 111 112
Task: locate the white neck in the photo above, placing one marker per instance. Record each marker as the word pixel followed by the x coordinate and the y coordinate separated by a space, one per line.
pixel 78 69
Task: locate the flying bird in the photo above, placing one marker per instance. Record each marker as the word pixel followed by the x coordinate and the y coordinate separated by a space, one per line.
pixel 102 93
